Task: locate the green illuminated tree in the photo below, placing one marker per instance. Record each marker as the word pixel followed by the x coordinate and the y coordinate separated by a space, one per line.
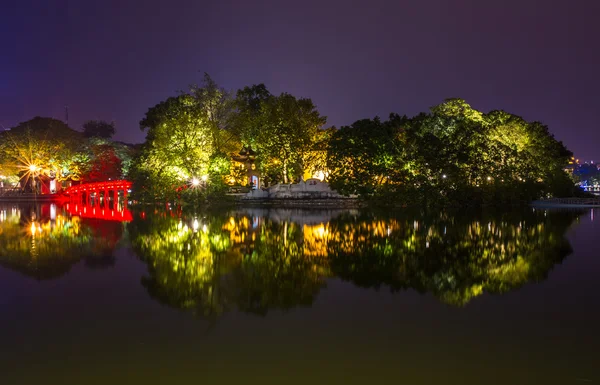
pixel 452 155
pixel 43 146
pixel 369 156
pixel 188 138
pixel 281 129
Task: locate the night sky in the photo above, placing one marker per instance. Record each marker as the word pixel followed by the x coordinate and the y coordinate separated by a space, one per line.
pixel 114 59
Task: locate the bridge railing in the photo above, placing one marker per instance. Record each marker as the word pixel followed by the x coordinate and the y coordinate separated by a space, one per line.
pixel 99 186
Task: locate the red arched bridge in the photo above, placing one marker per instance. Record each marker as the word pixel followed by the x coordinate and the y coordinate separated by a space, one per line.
pixel 103 200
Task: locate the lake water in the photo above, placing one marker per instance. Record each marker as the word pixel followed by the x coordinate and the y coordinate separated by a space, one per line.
pixel 254 296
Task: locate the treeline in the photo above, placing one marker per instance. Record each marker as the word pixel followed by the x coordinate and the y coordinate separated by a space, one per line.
pixel 193 139
pixel 196 141
pixel 48 149
pixel 454 155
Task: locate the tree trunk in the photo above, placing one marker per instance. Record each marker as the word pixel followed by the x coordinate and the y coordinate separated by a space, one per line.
pixel 285 170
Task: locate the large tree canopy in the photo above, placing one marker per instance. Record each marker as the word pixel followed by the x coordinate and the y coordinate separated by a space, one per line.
pixel 453 154
pixel 48 147
pixel 281 129
pixel 43 146
pixel 187 137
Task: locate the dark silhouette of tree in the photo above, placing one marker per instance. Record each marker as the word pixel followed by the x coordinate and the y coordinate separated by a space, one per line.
pixel 98 129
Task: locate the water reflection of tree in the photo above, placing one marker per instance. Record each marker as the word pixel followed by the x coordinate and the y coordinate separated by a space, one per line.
pixel 44 247
pixel 40 248
pixel 255 264
pixel 278 273
pixel 183 269
pixel 222 262
pixel 455 258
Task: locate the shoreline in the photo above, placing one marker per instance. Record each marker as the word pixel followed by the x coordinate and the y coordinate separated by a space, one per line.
pixel 317 202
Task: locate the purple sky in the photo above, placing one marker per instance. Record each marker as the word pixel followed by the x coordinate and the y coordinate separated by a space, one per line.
pixel 114 59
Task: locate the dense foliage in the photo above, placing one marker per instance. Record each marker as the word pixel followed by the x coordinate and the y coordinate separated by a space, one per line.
pixel 194 138
pixel 282 130
pixel 45 146
pixel 202 140
pixel 48 149
pixel 187 139
pixel 454 154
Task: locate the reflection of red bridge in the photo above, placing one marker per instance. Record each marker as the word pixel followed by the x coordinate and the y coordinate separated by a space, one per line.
pixel 123 215
pixel 101 200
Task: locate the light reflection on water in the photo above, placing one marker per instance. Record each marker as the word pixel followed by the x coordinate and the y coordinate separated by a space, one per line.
pixel 265 262
pixel 255 260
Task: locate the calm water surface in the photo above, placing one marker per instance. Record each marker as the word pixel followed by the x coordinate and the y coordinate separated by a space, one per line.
pixel 252 296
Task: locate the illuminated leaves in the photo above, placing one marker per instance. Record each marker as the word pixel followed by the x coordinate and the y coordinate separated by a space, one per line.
pixel 41 146
pixel 454 155
pixel 185 135
pixel 282 130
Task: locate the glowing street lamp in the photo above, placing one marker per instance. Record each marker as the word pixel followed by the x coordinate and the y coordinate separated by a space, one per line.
pixel 195 182
pixel 32 170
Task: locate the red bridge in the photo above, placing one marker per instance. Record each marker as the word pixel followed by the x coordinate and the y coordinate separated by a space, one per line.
pixel 102 200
